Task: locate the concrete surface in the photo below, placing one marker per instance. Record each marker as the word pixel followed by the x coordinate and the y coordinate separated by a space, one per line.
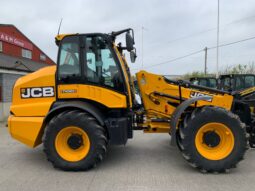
pixel 146 163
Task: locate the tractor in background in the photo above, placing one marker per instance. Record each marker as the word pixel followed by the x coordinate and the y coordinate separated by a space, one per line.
pixel 210 82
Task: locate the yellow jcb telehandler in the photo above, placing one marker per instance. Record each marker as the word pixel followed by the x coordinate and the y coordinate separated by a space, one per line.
pixel 86 102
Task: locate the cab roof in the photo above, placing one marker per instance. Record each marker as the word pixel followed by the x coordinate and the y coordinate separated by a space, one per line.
pixel 60 37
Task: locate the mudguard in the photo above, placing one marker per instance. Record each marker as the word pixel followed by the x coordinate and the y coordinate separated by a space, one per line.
pixel 85 106
pixel 178 112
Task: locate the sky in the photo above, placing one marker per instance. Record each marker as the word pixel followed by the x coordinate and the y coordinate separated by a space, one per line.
pixel 164 29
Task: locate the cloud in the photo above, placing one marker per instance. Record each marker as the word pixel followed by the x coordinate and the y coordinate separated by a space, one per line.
pixel 165 21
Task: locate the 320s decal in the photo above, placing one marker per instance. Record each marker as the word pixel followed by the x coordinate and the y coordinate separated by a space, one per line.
pixel 37 92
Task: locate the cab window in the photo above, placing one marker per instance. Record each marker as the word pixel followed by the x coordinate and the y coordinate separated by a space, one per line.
pixel 203 82
pixel 69 64
pixel 212 83
pixel 100 66
pixel 227 83
pixel 195 82
pixel 239 83
pixel 249 81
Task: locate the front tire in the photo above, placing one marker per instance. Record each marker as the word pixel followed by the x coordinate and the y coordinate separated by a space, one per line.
pixel 212 139
pixel 74 141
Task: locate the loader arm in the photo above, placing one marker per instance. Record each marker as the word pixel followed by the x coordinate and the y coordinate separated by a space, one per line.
pixel 246 95
pixel 161 97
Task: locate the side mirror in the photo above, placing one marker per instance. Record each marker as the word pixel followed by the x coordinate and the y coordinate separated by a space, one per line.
pixel 133 56
pixel 129 42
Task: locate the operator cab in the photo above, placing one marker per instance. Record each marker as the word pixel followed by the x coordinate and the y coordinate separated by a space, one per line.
pixel 93 59
pixel 209 82
pixel 236 82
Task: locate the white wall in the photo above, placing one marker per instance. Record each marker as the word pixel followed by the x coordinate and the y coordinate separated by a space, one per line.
pixel 4 110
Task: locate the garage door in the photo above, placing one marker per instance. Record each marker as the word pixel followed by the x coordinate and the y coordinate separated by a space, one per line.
pixel 0 93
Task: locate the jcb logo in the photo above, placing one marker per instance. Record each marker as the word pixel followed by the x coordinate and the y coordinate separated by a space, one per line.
pixel 37 92
pixel 198 94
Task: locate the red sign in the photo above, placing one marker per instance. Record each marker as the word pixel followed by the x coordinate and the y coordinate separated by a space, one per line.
pixel 15 41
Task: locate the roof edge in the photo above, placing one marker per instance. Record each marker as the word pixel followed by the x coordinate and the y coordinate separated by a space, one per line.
pixel 11 25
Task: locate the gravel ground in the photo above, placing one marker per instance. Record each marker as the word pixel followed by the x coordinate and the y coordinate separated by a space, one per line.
pixel 146 163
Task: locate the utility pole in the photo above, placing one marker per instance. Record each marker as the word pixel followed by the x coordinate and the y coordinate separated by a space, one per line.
pixel 218 32
pixel 143 29
pixel 142 45
pixel 205 60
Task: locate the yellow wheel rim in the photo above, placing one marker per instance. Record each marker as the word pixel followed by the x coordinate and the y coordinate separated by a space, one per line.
pixel 72 144
pixel 221 138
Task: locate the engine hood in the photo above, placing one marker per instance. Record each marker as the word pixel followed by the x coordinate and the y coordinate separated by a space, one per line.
pixel 35 91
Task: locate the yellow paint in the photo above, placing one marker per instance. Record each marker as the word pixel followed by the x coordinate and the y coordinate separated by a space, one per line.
pixel 247 91
pixel 44 77
pixel 220 151
pixel 30 112
pixel 157 106
pixel 61 36
pixel 158 127
pixel 63 148
pixel 101 95
pixel 25 129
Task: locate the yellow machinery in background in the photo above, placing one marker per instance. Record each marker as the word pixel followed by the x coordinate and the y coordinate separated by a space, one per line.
pixel 86 102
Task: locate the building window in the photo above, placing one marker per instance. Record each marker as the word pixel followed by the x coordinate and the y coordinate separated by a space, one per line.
pixel 26 53
pixel 1 46
pixel 42 57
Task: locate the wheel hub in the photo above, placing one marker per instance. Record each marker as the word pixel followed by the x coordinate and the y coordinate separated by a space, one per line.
pixel 211 139
pixel 75 141
pixel 214 141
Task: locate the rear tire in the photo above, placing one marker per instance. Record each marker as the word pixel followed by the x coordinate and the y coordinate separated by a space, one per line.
pixel 212 139
pixel 74 140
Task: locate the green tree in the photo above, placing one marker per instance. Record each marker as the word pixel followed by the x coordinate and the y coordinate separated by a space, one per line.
pixel 239 69
pixel 196 74
pixel 234 69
